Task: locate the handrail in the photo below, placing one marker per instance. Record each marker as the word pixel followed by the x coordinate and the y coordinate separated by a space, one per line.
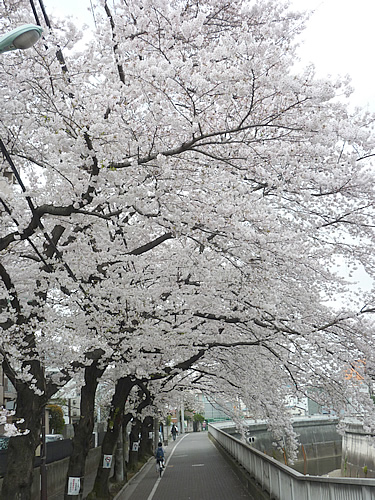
pixel 284 483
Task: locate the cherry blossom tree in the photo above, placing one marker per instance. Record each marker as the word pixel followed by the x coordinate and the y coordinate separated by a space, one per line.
pixel 182 193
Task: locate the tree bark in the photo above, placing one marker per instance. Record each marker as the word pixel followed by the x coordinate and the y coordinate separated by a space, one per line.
pixel 125 421
pixel 119 462
pixel 21 449
pixel 83 429
pixel 100 490
pixel 134 438
pixel 145 447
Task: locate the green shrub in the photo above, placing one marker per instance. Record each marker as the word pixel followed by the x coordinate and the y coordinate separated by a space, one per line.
pixel 198 417
pixel 56 418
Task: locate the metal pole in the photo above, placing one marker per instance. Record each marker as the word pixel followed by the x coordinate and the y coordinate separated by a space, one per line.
pixel 43 459
pixel 182 418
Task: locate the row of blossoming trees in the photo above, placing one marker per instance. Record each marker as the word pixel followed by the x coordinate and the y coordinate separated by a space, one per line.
pixel 185 204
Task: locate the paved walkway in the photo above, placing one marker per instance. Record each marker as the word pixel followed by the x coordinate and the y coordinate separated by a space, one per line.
pixel 195 469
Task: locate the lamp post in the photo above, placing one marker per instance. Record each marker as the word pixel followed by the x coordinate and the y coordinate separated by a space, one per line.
pixel 23 37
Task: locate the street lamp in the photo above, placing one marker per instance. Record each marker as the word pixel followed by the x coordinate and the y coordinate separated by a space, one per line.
pixel 23 37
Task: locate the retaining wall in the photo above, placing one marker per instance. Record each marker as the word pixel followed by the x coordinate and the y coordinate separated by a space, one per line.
pixel 283 483
pixel 320 446
pixel 358 455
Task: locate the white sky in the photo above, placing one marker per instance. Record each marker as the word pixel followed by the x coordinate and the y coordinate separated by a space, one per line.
pixel 339 39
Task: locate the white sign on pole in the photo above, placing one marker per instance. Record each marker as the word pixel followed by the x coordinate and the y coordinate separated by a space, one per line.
pixel 74 485
pixel 135 446
pixel 107 461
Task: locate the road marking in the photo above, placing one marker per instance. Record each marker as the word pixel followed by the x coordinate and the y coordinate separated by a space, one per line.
pixel 151 495
pixel 198 465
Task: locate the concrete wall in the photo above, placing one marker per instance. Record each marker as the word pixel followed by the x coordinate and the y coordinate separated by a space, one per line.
pixel 318 453
pixel 281 482
pixel 358 456
pixel 56 474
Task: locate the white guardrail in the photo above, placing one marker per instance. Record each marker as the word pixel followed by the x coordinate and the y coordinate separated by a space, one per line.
pixel 284 483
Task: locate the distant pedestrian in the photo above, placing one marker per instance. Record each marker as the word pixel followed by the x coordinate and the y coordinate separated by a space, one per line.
pixel 174 432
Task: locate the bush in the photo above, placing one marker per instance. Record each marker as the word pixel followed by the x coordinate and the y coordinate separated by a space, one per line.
pixel 56 419
pixel 198 417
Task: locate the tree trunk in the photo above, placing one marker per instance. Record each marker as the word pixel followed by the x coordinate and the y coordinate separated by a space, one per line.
pixel 21 450
pixel 119 462
pixel 125 422
pixel 134 440
pixel 145 447
pixel 101 486
pixel 83 429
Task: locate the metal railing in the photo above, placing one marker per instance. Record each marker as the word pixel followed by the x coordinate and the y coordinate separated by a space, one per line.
pixel 283 483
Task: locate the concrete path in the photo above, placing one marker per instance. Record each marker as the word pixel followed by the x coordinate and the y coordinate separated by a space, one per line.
pixel 195 470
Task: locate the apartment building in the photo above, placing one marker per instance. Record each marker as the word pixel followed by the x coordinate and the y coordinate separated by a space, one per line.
pixel 7 392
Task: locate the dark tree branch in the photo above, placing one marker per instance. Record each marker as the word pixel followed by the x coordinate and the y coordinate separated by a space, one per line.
pixel 152 244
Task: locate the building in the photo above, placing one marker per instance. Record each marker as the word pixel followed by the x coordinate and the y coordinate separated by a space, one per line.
pixel 7 392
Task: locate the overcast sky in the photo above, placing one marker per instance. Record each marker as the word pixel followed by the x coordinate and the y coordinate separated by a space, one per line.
pixel 339 39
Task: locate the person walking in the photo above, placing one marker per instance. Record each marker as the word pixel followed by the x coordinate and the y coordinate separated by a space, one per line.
pixel 174 432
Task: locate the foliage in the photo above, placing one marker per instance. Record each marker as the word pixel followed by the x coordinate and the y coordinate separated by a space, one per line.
pixel 198 417
pixel 56 418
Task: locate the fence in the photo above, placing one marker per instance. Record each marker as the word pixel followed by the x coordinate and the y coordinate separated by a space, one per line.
pixel 56 450
pixel 283 483
pixel 57 474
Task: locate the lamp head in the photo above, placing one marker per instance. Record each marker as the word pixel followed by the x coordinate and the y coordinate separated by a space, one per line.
pixel 23 37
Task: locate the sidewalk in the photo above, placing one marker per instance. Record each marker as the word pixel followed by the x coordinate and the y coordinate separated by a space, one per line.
pixel 195 469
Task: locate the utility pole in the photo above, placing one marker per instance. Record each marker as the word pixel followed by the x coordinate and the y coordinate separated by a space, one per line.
pixel 182 418
pixel 43 459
